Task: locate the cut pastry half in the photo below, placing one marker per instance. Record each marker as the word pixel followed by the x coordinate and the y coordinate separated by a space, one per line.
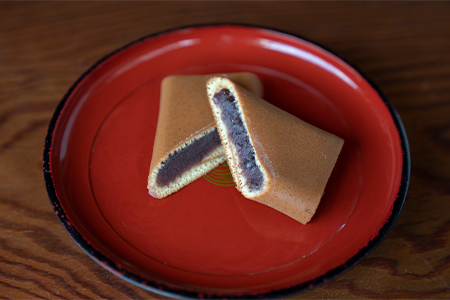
pixel 187 145
pixel 274 157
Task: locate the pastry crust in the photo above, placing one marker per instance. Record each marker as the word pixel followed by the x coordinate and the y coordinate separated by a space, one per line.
pixel 185 116
pixel 295 157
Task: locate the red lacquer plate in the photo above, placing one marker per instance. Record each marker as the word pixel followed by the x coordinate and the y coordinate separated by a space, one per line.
pixel 207 240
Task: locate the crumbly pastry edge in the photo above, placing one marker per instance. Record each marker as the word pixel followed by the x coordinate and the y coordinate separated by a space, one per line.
pixel 208 164
pixel 214 85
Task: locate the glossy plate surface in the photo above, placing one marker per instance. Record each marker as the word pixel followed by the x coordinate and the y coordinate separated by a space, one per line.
pixel 207 240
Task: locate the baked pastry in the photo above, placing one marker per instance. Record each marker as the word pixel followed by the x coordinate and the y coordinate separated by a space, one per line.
pixel 187 145
pixel 274 157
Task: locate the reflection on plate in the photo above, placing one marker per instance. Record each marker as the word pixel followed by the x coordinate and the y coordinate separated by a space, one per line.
pixel 207 239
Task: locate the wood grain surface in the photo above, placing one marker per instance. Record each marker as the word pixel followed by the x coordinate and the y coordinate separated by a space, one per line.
pixel 404 47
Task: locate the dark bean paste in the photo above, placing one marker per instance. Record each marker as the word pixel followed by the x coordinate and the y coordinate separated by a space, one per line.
pixel 238 136
pixel 184 159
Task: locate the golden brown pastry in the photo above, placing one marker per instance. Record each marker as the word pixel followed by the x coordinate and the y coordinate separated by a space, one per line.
pixel 275 158
pixel 187 145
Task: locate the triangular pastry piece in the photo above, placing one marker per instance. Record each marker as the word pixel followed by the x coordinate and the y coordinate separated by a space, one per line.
pixel 187 145
pixel 275 158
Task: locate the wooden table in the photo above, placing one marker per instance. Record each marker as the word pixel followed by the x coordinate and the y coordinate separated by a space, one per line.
pixel 44 47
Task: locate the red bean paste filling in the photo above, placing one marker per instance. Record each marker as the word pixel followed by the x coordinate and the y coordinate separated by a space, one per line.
pixel 184 159
pixel 239 138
